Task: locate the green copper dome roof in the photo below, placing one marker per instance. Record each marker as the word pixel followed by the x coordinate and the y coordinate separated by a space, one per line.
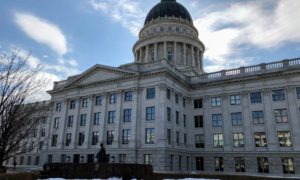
pixel 168 8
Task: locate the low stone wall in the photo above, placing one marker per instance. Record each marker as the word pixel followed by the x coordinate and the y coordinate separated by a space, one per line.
pixel 103 171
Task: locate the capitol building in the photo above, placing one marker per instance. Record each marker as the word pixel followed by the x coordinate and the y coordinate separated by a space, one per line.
pixel 164 109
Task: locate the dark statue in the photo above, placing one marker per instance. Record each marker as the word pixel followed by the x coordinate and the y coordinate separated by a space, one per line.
pixel 101 156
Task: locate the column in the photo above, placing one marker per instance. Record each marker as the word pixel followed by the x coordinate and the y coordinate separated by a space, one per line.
pixel 175 53
pixel 184 54
pixel 75 125
pixel 118 119
pixel 147 54
pixel 62 123
pixel 199 58
pixel 89 123
pixel 140 55
pixel 193 56
pixel 155 51
pixel 165 50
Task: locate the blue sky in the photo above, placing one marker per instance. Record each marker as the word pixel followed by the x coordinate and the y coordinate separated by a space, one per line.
pixel 69 36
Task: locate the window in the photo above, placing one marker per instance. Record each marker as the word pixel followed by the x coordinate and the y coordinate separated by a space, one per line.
pixel 37 160
pixel 29 160
pixel 284 138
pixel 126 136
pixel 281 115
pixel 218 140
pixel 298 92
pixel 198 121
pixel 258 117
pixel 43 132
pixel 239 164
pixel 183 102
pixel 177 138
pixel 236 119
pixel 170 54
pixel 122 158
pixel 63 158
pixel 68 139
pixel 278 95
pixel 288 165
pixel 176 98
pixel 260 139
pixel 70 121
pixel 50 157
pixel 56 123
pixel 238 139
pixel 219 164
pixel 54 140
pixel 168 114
pixel 128 96
pixel 58 106
pixel 81 138
pixel 84 102
pixel 72 104
pixel 255 97
pixel 83 119
pixel 97 118
pixel 184 120
pixel 111 117
pixel 179 162
pixel 150 136
pixel 168 93
pixel 169 136
pixel 199 163
pixel 215 101
pixel 95 137
pixel 235 99
pixel 185 139
pixel 199 141
pixel 147 158
pixel 150 93
pixel 177 117
pixel 217 120
pixel 197 103
pixel 150 113
pixel 113 98
pixel 127 115
pixel 98 101
pixel 110 137
pixel 263 165
pixel 41 145
pixel 21 160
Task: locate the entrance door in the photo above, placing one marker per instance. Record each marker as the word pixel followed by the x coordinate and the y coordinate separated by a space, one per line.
pixel 76 158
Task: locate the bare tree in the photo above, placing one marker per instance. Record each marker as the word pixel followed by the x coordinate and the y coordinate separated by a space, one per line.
pixel 18 118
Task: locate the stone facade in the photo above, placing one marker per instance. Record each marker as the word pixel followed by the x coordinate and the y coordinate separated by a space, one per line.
pixel 165 110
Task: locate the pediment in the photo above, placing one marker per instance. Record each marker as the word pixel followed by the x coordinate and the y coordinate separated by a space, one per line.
pixel 98 73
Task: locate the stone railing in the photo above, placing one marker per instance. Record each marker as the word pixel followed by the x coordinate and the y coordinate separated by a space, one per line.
pixel 243 71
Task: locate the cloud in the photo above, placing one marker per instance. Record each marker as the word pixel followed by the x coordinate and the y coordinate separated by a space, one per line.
pixel 259 23
pixel 127 12
pixel 42 32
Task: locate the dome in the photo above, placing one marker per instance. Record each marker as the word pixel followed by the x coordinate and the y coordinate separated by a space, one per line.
pixel 168 8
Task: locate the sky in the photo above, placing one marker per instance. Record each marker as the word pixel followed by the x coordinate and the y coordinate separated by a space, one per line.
pixel 69 36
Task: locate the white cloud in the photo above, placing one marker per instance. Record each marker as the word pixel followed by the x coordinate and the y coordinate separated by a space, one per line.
pixel 127 12
pixel 72 62
pixel 42 32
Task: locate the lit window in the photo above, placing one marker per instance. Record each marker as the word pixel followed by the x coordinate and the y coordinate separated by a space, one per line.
pixel 238 139
pixel 218 140
pixel 288 165
pixel 281 115
pixel 255 97
pixel 278 95
pixel 236 119
pixel 258 117
pixel 284 139
pixel 239 164
pixel 217 120
pixel 260 139
pixel 150 135
pixel 215 101
pixel 150 93
pixel 235 99
pixel 150 113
